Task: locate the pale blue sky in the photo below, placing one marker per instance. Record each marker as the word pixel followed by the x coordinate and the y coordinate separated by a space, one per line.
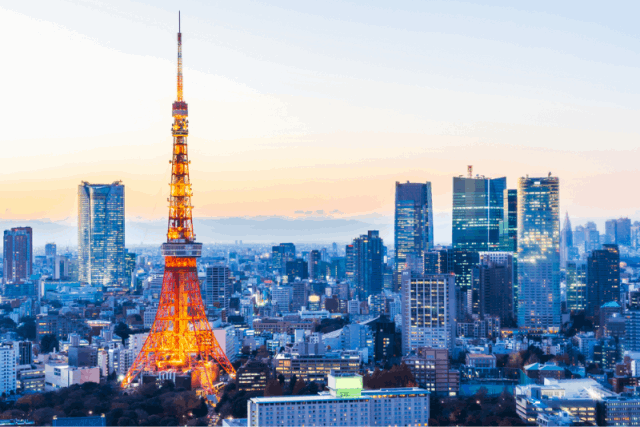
pixel 322 105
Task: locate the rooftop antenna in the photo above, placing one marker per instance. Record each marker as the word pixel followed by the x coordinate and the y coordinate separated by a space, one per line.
pixel 179 21
pixel 470 171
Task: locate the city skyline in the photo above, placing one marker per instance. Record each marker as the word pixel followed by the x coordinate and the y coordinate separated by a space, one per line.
pixel 344 168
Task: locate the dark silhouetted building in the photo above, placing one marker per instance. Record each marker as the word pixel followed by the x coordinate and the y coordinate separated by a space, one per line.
pixel 314 265
pixel 603 279
pixel 297 268
pixel 280 255
pixel 495 286
pixel 369 260
pixel 509 225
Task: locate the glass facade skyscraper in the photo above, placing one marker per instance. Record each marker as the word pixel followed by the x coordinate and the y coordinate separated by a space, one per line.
pixel 478 210
pixel 101 255
pixel 368 261
pixel 539 252
pixel 509 224
pixel 413 228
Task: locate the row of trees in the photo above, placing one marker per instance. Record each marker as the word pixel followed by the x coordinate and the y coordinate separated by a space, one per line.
pixel 147 406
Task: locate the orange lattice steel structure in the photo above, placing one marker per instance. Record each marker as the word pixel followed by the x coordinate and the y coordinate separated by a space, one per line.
pixel 181 339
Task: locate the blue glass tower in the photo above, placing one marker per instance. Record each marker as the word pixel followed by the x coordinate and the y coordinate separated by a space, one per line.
pixel 539 252
pixel 101 256
pixel 413 228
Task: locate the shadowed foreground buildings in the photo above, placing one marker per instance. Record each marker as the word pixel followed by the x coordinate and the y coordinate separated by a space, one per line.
pixel 539 253
pixel 603 279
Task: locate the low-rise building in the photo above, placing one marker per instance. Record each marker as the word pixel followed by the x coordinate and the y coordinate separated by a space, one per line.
pixel 253 376
pixel 30 378
pixel 345 404
pixel 478 360
pixel 622 410
pixel 57 375
pixel 432 371
pixel 316 367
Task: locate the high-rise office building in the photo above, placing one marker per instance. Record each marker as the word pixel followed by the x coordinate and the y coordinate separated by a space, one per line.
pixel 579 240
pixel 350 262
pixel 428 311
pixel 539 252
pixel 566 241
pixel 495 286
pixel 478 216
pixel 217 287
pixel 101 259
pixel 413 226
pixel 591 236
pixel 314 265
pixel 603 279
pixel 576 285
pixel 611 232
pixel 280 255
pixel 369 259
pixel 509 224
pixel 18 255
pixel 50 250
pixel 297 269
pixel 623 229
pixel 478 209
pixel 438 261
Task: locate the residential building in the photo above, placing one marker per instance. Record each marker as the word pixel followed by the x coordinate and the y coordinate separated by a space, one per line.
pixel 428 311
pixel 17 255
pixel 101 259
pixel 282 296
pixel 345 404
pixel 413 224
pixel 217 287
pixel 7 368
pixel 539 253
pixel 432 371
pixel 226 337
pixel 632 330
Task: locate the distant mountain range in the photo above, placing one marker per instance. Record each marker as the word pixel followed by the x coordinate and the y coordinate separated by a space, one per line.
pixel 266 229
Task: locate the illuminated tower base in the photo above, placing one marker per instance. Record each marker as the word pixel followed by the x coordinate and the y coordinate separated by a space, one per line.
pixel 181 339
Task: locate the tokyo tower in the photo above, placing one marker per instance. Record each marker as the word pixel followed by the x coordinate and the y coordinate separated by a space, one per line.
pixel 181 339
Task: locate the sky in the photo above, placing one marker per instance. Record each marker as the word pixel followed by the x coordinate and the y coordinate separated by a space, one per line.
pixel 301 109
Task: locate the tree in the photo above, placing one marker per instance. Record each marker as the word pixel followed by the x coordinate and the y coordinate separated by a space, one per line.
pixel 49 343
pixel 123 331
pixel 27 328
pixel 273 388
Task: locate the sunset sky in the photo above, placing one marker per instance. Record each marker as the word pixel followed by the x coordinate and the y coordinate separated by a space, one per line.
pixel 298 107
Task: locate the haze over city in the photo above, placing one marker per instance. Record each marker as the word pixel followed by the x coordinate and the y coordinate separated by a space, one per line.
pixel 316 110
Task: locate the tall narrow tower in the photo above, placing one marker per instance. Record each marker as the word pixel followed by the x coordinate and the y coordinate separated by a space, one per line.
pixel 181 339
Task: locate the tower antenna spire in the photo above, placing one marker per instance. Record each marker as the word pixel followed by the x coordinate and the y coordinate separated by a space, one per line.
pixel 179 61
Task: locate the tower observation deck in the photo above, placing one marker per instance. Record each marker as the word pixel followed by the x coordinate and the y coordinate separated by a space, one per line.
pixel 181 340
